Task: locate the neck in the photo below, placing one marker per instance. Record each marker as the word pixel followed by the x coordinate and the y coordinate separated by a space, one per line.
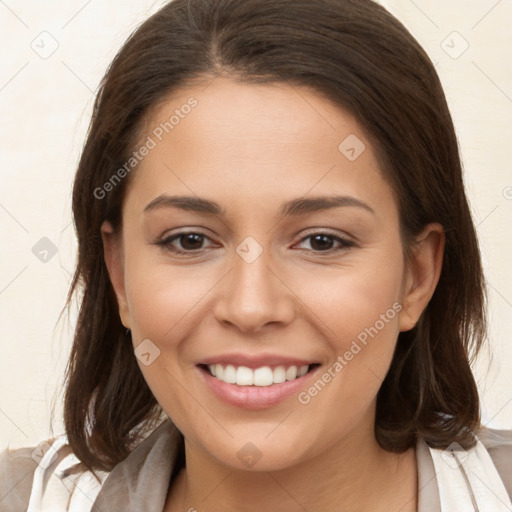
pixel 356 475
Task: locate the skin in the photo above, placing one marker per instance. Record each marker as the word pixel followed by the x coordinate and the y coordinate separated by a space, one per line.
pixel 250 148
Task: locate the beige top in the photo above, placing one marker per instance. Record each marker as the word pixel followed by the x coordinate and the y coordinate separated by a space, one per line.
pixel 140 482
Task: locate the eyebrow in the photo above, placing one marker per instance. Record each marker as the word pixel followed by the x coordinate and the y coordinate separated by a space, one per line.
pixel 293 207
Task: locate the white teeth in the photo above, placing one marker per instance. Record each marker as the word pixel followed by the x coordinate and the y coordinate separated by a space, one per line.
pixel 302 371
pixel 244 376
pixel 291 373
pixel 263 376
pixel 279 374
pixel 230 374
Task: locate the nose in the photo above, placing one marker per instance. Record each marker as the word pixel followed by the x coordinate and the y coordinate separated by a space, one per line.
pixel 253 295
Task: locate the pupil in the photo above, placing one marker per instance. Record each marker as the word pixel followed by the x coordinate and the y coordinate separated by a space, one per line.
pixel 191 237
pixel 324 239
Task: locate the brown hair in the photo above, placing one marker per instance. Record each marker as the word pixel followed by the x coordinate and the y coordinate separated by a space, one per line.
pixel 360 57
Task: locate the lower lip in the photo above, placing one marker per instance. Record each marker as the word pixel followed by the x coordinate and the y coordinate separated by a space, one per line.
pixel 254 397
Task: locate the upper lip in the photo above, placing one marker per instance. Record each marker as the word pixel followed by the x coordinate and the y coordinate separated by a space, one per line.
pixel 255 361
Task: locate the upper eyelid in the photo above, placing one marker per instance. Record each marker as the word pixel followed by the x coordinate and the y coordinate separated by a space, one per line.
pixel 314 231
pixel 175 236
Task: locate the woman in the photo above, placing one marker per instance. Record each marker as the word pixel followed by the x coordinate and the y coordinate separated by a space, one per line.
pixel 282 288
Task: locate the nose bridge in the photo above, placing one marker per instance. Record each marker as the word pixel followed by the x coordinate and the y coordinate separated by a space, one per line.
pixel 252 295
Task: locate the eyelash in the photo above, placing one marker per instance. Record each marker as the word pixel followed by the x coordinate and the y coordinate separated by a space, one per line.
pixel 166 242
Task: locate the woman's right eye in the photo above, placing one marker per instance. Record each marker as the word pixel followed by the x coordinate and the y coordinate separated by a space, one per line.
pixel 190 242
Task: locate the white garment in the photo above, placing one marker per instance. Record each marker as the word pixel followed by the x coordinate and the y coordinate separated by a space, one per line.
pixel 467 480
pixel 63 492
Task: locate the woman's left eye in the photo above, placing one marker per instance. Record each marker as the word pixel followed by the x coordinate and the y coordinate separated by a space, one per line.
pixel 191 242
pixel 324 242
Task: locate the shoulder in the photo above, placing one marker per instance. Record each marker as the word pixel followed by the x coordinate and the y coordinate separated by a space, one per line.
pixel 17 467
pixel 50 476
pixel 499 445
pixel 44 477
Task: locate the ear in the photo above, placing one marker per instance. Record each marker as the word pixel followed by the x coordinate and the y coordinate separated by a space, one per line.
pixel 114 260
pixel 422 273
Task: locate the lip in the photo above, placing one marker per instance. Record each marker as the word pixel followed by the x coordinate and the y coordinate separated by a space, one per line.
pixel 254 397
pixel 256 361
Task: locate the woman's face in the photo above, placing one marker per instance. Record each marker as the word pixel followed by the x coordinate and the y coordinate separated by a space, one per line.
pixel 295 260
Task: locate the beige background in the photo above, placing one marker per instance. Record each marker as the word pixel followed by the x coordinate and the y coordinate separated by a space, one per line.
pixel 45 103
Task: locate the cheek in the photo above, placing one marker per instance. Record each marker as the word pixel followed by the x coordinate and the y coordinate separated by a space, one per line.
pixel 162 297
pixel 359 309
pixel 361 346
pixel 354 298
pixel 164 302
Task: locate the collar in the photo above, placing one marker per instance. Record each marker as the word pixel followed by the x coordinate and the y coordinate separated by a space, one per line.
pixel 141 481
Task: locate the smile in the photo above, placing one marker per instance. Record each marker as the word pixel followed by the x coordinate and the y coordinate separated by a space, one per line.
pixel 262 376
pixel 252 384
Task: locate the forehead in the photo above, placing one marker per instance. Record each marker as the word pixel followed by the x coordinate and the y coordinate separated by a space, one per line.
pixel 259 141
pixel 228 112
